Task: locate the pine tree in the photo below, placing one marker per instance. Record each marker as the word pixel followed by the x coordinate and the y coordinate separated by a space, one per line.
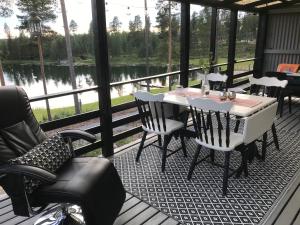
pixel 44 9
pixel 5 8
pixel 73 26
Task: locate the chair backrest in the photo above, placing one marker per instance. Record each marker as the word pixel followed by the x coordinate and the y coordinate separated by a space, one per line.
pixel 151 110
pixel 204 124
pixel 216 81
pixel 267 86
pixel 288 67
pixel 19 129
pixel 257 124
pixel 278 75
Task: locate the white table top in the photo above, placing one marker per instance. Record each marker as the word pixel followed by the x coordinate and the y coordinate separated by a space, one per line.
pixel 236 110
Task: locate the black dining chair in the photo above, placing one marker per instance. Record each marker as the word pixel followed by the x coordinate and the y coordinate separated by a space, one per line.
pixel 292 88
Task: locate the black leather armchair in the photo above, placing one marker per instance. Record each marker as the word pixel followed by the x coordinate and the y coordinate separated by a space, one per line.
pixel 91 183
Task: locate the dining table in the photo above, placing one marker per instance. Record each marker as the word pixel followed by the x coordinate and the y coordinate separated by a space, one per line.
pixel 243 105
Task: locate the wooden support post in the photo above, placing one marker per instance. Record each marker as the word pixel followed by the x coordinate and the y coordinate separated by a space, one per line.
pixel 213 35
pixel 103 75
pixel 185 43
pixel 260 44
pixel 231 47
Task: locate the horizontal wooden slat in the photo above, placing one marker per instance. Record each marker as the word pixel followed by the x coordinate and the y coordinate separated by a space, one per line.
pixel 127 133
pixel 131 213
pixel 143 216
pixel 156 219
pixel 55 124
pixel 290 212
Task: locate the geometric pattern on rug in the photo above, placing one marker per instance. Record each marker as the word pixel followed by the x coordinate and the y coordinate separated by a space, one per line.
pixel 200 201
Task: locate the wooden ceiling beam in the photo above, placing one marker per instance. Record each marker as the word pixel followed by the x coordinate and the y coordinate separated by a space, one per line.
pixel 230 4
pixel 221 4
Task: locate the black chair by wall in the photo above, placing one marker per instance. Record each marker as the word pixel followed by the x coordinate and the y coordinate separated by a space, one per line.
pixel 90 183
pixel 292 89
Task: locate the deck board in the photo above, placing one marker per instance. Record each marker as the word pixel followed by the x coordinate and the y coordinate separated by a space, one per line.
pixel 131 213
pixel 156 219
pixel 143 216
pixel 290 211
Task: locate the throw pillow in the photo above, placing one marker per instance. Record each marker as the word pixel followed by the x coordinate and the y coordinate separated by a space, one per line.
pixel 50 155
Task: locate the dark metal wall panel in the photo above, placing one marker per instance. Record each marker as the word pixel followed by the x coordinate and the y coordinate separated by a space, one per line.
pixel 283 40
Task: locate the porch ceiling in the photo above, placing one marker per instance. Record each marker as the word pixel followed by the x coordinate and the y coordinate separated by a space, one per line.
pixel 247 5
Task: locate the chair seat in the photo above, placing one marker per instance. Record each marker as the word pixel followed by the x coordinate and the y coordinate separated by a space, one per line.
pixel 89 182
pixel 236 139
pixel 171 126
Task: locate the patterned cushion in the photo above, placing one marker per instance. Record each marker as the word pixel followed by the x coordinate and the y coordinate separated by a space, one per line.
pixel 50 155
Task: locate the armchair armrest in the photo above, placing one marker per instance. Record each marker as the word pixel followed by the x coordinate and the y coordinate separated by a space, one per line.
pixel 30 171
pixel 79 134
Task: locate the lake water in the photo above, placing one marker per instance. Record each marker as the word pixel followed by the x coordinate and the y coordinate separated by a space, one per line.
pixel 58 80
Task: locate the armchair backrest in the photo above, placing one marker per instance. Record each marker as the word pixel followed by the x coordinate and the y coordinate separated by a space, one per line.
pixel 151 110
pixel 278 75
pixel 204 124
pixel 288 67
pixel 19 129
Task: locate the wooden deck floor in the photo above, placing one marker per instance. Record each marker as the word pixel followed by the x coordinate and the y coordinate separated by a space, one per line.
pixel 136 212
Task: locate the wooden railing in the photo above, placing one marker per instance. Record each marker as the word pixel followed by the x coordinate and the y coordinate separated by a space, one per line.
pixel 133 117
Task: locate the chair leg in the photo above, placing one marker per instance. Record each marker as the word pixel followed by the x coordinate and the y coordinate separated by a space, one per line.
pixel 244 164
pixel 237 125
pixel 212 155
pixel 194 162
pixel 290 104
pixel 141 146
pixel 183 144
pixel 159 140
pixel 226 172
pixel 264 146
pixel 246 152
pixel 275 136
pixel 167 139
pixel 280 105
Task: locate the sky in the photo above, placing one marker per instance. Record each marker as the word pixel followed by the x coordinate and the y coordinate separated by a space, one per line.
pixel 80 11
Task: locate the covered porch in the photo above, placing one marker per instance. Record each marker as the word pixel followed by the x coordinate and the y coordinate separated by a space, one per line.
pixel 271 192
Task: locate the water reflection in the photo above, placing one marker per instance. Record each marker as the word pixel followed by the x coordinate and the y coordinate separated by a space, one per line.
pixel 58 80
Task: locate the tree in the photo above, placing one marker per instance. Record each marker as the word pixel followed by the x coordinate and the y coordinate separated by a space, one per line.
pixel 44 9
pixel 69 54
pixel 164 19
pixel 5 8
pixel 73 26
pixel 147 31
pixel 115 25
pixel 5 11
pixel 9 40
pixel 136 24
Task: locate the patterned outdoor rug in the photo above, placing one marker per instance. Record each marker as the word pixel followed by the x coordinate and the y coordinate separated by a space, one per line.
pixel 199 201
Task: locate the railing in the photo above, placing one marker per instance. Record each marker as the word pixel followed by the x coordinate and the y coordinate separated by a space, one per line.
pixel 133 117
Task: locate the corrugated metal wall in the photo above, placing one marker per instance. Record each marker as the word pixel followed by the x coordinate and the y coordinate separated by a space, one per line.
pixel 283 40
